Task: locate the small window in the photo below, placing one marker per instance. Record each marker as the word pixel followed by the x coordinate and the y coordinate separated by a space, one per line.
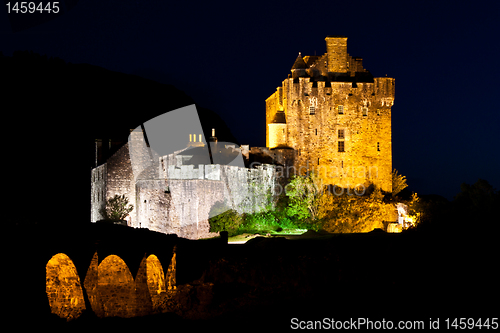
pixel 318 160
pixel 312 110
pixel 341 134
pixel 283 131
pixel 316 131
pixel 378 146
pixel 365 111
pixel 378 112
pixel 341 146
pixel 341 109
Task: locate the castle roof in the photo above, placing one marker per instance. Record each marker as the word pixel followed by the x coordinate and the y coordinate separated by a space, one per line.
pixel 310 60
pixel 279 118
pixel 299 63
pixel 201 155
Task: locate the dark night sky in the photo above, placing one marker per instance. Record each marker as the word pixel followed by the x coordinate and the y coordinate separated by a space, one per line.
pixel 230 56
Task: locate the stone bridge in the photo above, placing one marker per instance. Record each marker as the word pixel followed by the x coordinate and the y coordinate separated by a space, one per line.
pixel 108 270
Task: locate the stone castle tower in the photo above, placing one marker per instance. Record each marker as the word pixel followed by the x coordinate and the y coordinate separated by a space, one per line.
pixel 337 118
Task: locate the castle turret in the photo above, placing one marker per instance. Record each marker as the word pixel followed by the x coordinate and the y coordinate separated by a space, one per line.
pixel 277 130
pixel 299 67
pixel 336 49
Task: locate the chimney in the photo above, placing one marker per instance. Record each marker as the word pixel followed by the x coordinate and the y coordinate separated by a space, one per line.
pixel 212 146
pixel 336 49
pixel 213 138
pixel 98 152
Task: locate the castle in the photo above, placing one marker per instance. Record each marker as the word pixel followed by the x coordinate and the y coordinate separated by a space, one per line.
pixel 177 193
pixel 330 116
pixel 336 117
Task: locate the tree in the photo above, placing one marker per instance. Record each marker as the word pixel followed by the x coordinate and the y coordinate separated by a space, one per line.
pixel 476 202
pixel 304 193
pixel 222 218
pixel 353 213
pixel 228 221
pixel 478 196
pixel 398 183
pixel 415 211
pixel 117 208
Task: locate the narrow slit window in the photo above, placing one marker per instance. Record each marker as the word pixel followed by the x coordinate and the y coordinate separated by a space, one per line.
pixel 378 146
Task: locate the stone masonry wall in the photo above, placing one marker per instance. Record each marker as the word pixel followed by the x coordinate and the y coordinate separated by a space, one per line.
pixel 337 54
pixel 115 177
pixel 339 124
pixel 179 200
pixel 98 191
pixel 365 125
pixel 113 291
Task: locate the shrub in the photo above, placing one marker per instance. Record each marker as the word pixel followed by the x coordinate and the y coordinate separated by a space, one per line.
pixel 117 208
pixel 355 213
pixel 261 221
pixel 228 221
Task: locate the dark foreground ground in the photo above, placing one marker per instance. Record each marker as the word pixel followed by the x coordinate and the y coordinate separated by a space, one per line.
pixel 266 282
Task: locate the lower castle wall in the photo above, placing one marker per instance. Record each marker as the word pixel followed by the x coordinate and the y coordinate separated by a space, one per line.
pixel 184 209
pixel 182 203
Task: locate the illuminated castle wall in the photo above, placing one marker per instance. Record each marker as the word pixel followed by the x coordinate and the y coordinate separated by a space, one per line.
pixel 336 116
pixel 178 195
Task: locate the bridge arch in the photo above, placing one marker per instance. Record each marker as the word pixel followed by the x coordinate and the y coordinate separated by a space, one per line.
pixel 156 281
pixel 63 287
pixel 116 288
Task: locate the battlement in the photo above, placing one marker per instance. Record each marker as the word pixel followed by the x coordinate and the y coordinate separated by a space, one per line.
pixel 336 116
pixel 215 171
pixel 303 86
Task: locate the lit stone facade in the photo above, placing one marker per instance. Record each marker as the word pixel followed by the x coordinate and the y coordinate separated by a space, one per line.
pixel 175 196
pixel 337 118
